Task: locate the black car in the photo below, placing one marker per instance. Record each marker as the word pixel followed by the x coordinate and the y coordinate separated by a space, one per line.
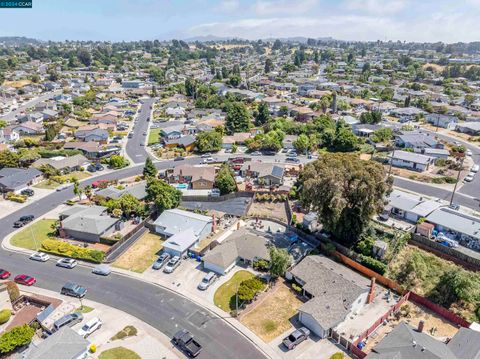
pixel 73 290
pixel 27 218
pixel 99 167
pixel 179 158
pixel 27 192
pixel 185 341
pixel 292 159
pixel 18 224
pixel 91 168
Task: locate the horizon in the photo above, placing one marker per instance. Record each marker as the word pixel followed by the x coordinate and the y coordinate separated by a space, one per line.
pixel 345 20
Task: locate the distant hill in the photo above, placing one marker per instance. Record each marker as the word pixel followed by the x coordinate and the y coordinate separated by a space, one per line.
pixel 18 40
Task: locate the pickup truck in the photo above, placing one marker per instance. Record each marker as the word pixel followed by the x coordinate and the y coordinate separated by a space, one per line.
pixel 184 340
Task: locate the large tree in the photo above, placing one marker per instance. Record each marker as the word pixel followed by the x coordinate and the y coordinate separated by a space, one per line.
pixel 345 192
pixel 225 181
pixel 279 261
pixel 209 141
pixel 149 170
pixel 163 195
pixel 238 118
pixel 263 114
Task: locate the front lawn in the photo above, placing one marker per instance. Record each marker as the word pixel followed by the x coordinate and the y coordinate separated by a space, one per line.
pixel 272 316
pixel 119 353
pixel 84 309
pixel 154 136
pixel 41 230
pixel 50 184
pixel 142 254
pixel 225 295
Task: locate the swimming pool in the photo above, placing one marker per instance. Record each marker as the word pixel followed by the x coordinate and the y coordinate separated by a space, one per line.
pixel 181 186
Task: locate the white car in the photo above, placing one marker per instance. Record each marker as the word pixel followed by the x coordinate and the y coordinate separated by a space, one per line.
pixel 40 257
pixel 208 160
pixel 172 264
pixel 469 153
pixel 469 177
pixel 67 263
pixel 89 327
pixel 475 168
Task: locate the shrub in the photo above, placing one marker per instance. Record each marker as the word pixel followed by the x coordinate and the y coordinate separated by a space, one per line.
pixel 16 197
pixel 261 264
pixel 93 348
pixel 13 291
pixel 72 251
pixel 296 288
pixel 5 315
pixel 337 356
pixel 16 337
pixel 373 264
pixel 450 180
pixel 128 331
pixel 248 289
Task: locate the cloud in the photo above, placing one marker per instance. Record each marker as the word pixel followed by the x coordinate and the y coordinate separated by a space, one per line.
pixel 228 6
pixel 376 7
pixel 277 7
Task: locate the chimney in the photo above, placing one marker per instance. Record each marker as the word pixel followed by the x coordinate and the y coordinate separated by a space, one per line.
pixel 371 294
pixel 421 325
pixel 214 225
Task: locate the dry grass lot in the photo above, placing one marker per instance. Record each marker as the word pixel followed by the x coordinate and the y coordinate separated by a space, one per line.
pixel 142 254
pixel 268 209
pixel 271 317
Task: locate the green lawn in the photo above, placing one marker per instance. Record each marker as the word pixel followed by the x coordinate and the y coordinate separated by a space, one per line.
pixel 85 309
pixel 41 230
pixel 225 295
pixel 49 184
pixel 154 136
pixel 119 353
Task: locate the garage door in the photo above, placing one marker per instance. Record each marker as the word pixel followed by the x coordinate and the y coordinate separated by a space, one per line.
pixel 311 323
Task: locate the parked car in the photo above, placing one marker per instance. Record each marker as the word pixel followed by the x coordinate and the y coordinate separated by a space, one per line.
pixel 208 160
pixel 454 206
pixel 89 327
pixel 469 177
pixel 179 158
pixel 25 279
pixel 215 192
pixel 475 168
pixel 4 274
pixel 99 167
pixel 91 168
pixel 67 263
pixel 27 218
pixel 18 224
pixel 161 260
pixel 27 192
pixel 206 155
pixel 292 159
pixel 256 153
pixel 269 153
pixel 207 281
pixel 40 257
pixel 469 153
pixel 185 341
pixel 130 135
pixel 73 290
pixel 172 264
pixel 296 338
pixel 69 319
pixel 102 269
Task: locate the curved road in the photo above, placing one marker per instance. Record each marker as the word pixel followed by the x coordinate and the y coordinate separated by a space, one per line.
pixel 159 307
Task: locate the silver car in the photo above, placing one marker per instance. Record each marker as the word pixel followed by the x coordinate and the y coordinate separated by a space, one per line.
pixel 207 281
pixel 67 263
pixel 102 269
pixel 172 264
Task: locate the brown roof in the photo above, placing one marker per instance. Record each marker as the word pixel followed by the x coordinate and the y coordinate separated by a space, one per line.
pixel 196 172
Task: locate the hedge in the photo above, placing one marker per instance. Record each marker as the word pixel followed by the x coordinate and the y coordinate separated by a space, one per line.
pixel 373 264
pixel 16 337
pixel 69 250
pixel 5 316
pixel 248 289
pixel 16 197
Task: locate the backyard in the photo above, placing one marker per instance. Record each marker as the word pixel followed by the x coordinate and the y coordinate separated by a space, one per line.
pixel 34 234
pixel 271 315
pixel 225 295
pixel 142 254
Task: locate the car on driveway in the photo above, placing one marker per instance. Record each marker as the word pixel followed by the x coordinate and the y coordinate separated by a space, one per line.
pixel 67 263
pixel 469 177
pixel 73 290
pixel 25 279
pixel 69 319
pixel 27 192
pixel 172 264
pixel 39 257
pixel 89 327
pixel 207 281
pixel 161 260
pixel 102 269
pixel 4 274
pixel 296 338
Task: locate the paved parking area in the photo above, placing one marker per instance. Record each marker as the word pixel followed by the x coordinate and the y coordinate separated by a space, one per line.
pixel 235 206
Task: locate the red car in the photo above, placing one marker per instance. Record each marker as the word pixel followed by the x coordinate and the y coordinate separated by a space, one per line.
pixel 4 274
pixel 25 279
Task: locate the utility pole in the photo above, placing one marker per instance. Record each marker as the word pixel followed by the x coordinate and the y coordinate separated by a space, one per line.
pixel 34 238
pixel 456 182
pixel 236 301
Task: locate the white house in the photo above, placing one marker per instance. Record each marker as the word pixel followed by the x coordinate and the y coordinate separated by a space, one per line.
pixel 410 160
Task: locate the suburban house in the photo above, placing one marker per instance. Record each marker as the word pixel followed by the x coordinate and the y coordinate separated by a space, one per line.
pixel 137 190
pixel 92 133
pixel 132 84
pixel 87 223
pixel 405 341
pixel 410 207
pixel 436 153
pixel 172 132
pixel 63 164
pixel 444 121
pixel 471 128
pixel 16 179
pixel 269 173
pixel 182 229
pixel 238 138
pixel 8 135
pixel 199 177
pixel 93 150
pixel 335 292
pixel 460 226
pixel 28 128
pixel 411 161
pixel 186 142
pixel 417 141
pixel 241 247
pixel 65 343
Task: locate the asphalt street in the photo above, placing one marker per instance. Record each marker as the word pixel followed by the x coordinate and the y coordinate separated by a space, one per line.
pixel 11 115
pixel 134 148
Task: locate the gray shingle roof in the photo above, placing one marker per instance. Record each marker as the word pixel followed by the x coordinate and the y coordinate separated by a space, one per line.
pixel 12 178
pixel 466 344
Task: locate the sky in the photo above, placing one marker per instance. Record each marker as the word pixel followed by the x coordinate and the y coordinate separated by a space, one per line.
pixel 361 20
